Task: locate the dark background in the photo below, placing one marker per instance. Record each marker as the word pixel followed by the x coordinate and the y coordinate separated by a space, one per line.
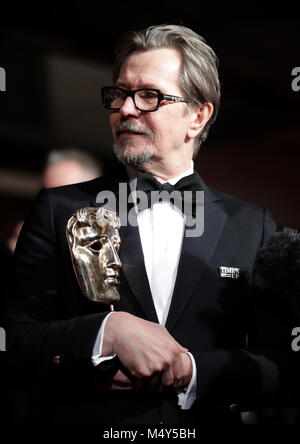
pixel 58 55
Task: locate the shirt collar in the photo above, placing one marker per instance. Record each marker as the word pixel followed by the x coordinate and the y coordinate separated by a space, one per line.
pixel 176 179
pixel 173 181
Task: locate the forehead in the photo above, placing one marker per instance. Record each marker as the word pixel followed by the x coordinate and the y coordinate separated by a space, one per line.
pixel 157 67
pixel 109 231
pixel 88 233
pixel 102 230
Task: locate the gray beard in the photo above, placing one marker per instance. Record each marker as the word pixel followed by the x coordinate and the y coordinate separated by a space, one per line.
pixel 127 158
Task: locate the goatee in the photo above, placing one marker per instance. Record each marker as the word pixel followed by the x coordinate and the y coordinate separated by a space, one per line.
pixel 124 151
pixel 127 157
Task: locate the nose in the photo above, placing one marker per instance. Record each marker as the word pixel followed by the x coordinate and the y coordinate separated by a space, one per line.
pixel 113 260
pixel 128 108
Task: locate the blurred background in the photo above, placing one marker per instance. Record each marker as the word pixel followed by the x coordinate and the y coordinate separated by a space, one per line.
pixel 58 55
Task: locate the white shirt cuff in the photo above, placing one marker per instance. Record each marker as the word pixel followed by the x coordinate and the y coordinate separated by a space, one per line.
pixel 187 398
pixel 97 350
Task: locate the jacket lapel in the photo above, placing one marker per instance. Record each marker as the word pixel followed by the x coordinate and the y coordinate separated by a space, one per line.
pixel 133 266
pixel 131 253
pixel 195 256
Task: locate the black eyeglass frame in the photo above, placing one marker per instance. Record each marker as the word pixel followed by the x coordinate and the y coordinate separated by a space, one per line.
pixel 127 93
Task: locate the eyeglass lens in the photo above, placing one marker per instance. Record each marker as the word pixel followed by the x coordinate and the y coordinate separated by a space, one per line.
pixel 145 99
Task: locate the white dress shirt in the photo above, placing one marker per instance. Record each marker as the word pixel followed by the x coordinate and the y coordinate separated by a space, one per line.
pixel 161 229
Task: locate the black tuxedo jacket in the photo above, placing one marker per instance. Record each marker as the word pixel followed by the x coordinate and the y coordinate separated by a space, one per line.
pixel 238 346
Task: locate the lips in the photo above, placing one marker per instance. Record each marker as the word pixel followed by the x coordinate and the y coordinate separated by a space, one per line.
pixel 111 274
pixel 132 129
pixel 130 133
pixel 112 281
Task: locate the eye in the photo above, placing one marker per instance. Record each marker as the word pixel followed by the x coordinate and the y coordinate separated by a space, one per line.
pixel 96 246
pixel 145 94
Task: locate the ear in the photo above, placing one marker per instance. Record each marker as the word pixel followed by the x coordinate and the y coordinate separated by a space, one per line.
pixel 199 118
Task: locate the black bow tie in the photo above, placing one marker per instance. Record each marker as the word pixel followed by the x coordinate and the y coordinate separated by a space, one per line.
pixel 185 200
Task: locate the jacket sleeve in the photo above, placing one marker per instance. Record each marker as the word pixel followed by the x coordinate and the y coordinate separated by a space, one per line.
pixel 37 337
pixel 260 374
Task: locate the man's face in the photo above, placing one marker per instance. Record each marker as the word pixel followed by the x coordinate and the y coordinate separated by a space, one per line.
pixel 66 172
pixel 166 129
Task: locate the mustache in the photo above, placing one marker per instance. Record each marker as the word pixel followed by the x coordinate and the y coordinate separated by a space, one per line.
pixel 133 128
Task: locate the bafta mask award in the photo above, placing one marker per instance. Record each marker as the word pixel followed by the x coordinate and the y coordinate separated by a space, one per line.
pixel 94 242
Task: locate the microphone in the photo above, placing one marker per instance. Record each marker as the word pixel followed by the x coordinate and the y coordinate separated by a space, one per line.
pixel 277 267
pixel 276 297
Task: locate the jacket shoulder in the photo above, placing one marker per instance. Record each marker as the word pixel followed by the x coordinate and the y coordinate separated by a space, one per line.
pixel 233 204
pixel 80 191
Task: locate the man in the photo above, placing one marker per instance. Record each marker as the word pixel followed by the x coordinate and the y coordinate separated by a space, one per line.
pixel 69 165
pixel 175 348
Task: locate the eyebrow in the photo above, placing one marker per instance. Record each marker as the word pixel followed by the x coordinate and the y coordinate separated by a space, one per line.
pixel 121 84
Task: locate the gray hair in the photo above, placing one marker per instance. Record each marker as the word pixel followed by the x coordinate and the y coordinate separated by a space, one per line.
pixel 199 78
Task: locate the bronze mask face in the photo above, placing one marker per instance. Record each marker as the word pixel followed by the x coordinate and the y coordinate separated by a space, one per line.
pixel 94 241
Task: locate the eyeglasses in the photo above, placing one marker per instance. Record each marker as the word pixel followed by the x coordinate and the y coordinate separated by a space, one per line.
pixel 146 99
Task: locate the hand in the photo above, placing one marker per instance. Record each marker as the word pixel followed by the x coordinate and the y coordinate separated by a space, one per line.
pixel 182 371
pixel 113 380
pixel 144 348
pixel 181 375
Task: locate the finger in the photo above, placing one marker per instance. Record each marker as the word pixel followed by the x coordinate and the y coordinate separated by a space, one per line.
pixel 121 378
pixel 177 370
pixel 181 349
pixel 139 384
pixel 167 377
pixel 152 384
pixel 121 387
pixel 178 383
pixel 182 370
pixel 155 382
